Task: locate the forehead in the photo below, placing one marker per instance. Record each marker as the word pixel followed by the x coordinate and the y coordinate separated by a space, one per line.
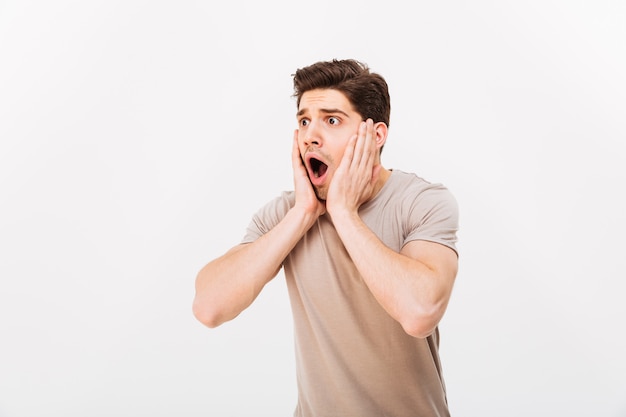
pixel 324 99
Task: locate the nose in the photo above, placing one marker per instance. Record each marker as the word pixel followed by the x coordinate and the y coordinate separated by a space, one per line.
pixel 308 141
pixel 312 136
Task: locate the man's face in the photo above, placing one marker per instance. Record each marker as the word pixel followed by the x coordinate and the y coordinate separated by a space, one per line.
pixel 326 121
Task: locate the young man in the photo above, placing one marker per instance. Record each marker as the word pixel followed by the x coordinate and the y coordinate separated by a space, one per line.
pixel 368 254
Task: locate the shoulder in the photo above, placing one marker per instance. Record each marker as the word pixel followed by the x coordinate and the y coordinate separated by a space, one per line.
pixel 277 207
pixel 429 210
pixel 413 189
pixel 269 215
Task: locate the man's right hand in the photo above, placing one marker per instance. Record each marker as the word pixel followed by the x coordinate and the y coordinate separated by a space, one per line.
pixel 306 199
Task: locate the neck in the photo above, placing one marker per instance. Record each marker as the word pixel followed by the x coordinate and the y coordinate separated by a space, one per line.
pixel 383 176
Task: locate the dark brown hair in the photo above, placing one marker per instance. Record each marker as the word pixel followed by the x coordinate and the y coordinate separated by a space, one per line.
pixel 367 91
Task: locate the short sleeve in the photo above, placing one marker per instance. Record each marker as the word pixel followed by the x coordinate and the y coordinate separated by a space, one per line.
pixel 268 216
pixel 434 216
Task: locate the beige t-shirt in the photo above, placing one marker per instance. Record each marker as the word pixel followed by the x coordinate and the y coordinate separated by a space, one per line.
pixel 352 358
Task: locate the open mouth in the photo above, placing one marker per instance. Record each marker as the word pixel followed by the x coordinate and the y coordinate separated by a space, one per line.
pixel 318 168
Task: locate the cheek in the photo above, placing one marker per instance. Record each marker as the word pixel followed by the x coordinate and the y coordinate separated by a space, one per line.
pixel 339 151
pixel 334 157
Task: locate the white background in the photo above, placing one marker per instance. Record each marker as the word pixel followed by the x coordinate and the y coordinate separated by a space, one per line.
pixel 138 137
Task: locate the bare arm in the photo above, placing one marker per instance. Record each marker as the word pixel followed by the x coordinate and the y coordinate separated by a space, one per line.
pixel 413 286
pixel 229 284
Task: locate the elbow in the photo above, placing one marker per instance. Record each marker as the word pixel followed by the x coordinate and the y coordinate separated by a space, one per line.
pixel 206 315
pixel 207 308
pixel 421 324
pixel 419 330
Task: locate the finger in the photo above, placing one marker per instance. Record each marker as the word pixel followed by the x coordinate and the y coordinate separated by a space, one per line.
pixel 370 153
pixel 372 135
pixel 295 150
pixel 348 153
pixel 367 148
pixel 296 158
pixel 359 146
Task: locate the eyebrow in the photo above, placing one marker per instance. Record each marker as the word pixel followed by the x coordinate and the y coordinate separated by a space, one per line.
pixel 326 111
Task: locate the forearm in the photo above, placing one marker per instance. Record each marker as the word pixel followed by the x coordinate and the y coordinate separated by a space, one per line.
pixel 229 284
pixel 408 289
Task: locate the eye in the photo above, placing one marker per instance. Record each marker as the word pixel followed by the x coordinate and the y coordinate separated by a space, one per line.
pixel 304 122
pixel 333 120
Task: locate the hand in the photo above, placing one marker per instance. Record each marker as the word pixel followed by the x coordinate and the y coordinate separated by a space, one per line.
pixel 355 179
pixel 305 194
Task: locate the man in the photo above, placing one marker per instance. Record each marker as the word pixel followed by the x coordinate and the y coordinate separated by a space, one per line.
pixel 368 254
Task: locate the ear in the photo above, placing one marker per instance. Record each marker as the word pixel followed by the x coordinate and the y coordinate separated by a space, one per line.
pixel 381 130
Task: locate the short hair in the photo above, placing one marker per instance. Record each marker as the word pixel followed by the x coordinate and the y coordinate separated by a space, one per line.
pixel 367 91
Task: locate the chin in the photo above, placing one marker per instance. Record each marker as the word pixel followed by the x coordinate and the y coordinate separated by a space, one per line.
pixel 321 193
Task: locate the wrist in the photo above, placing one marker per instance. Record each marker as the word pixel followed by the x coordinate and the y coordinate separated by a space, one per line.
pixel 343 215
pixel 304 215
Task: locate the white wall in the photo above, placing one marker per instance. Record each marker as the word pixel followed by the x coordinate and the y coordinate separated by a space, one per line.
pixel 137 138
